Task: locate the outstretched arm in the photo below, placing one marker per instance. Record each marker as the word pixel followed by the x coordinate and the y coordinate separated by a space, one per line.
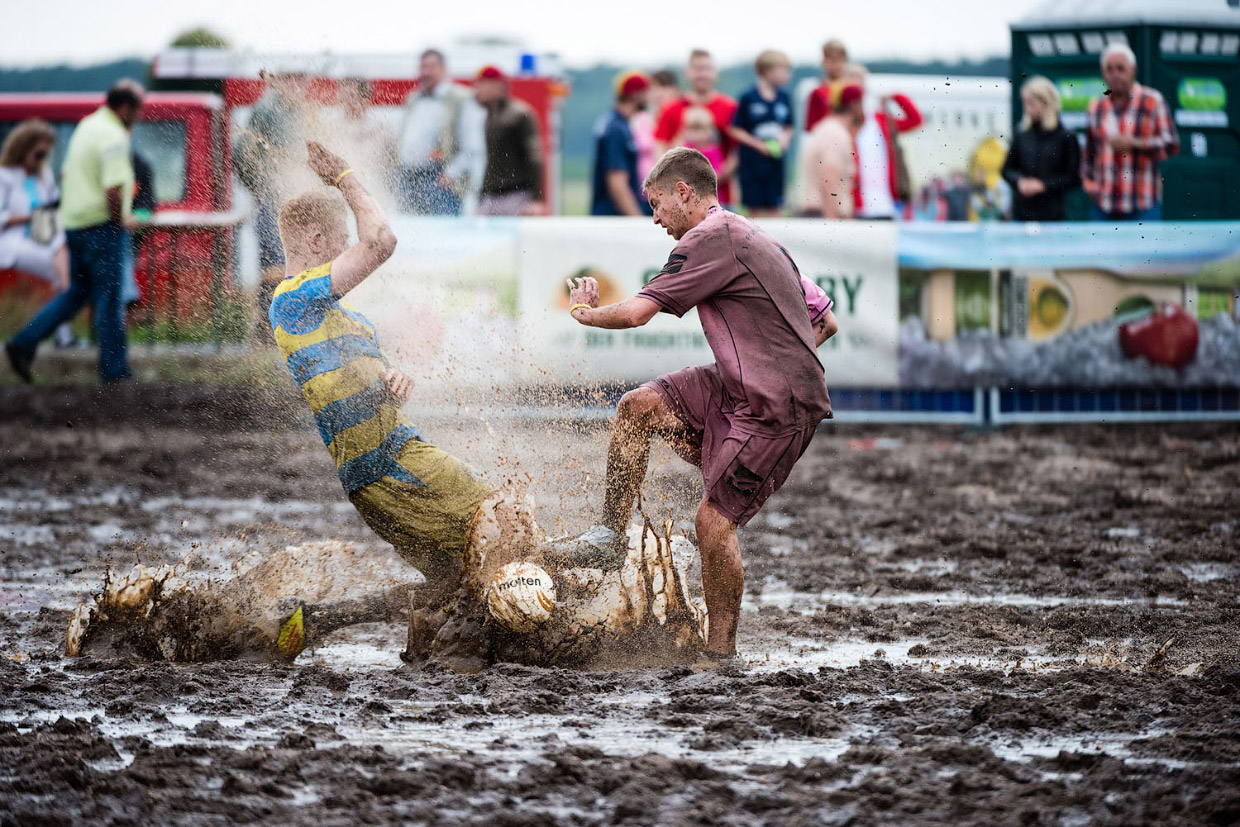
pixel 375 240
pixel 633 312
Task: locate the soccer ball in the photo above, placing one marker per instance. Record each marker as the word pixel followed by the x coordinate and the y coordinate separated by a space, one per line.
pixel 521 596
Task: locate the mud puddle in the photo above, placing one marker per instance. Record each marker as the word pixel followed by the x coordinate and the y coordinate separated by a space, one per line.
pixel 1033 626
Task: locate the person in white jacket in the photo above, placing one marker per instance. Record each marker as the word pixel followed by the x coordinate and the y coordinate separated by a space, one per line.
pixel 27 187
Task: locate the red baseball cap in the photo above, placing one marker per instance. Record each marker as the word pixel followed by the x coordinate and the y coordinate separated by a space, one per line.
pixel 850 94
pixel 630 83
pixel 490 72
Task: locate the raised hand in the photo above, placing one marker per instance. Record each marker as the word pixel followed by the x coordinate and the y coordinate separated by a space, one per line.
pixel 326 164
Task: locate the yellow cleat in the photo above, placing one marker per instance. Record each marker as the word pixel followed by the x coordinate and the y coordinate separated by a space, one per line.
pixel 292 637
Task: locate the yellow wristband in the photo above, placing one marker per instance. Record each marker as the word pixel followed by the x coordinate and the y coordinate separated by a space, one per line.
pixel 341 176
pixel 578 306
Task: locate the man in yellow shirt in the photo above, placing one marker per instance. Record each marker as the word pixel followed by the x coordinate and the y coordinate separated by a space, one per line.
pixel 96 203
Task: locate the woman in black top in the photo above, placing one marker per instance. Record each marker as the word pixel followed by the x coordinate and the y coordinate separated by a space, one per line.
pixel 1044 162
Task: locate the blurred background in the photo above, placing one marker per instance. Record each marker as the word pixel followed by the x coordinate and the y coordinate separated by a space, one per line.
pixel 993 247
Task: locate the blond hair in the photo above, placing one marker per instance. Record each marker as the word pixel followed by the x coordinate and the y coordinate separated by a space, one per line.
pixel 835 46
pixel 697 116
pixel 1044 90
pixel 684 164
pixel 25 137
pixel 768 59
pixel 310 212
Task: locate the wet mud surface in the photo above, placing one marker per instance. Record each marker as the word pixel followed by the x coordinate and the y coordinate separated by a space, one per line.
pixel 1033 626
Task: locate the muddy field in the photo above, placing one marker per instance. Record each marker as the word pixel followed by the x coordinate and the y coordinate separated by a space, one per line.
pixel 1034 626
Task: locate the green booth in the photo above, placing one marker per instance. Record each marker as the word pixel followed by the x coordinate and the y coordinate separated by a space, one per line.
pixel 1189 50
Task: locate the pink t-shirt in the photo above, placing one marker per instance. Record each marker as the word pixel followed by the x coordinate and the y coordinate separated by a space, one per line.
pixel 817 302
pixel 755 310
pixel 713 153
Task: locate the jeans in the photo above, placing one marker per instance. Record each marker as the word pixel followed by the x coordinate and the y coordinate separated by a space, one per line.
pixel 96 270
pixel 1154 213
pixel 267 228
pixel 422 195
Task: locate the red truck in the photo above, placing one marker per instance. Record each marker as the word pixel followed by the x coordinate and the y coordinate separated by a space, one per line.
pixel 186 264
pixel 184 137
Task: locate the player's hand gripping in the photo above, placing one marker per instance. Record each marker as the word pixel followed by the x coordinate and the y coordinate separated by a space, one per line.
pixel 326 164
pixel 583 291
pixel 398 384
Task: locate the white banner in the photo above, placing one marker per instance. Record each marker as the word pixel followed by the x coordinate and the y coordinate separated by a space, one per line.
pixel 854 262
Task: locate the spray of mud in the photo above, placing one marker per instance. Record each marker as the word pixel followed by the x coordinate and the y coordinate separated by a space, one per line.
pixel 444 320
pixel 644 612
pixel 179 613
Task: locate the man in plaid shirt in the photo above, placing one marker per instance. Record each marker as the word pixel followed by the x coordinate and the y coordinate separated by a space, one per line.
pixel 1128 133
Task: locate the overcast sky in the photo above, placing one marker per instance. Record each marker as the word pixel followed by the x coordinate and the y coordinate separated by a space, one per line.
pixel 583 32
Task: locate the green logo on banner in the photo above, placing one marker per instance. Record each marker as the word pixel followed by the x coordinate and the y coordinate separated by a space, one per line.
pixel 1076 93
pixel 1202 94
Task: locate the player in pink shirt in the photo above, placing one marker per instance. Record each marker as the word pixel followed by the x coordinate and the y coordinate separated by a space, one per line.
pixel 744 420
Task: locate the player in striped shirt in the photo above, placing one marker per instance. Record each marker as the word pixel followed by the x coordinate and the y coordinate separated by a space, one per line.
pixel 413 495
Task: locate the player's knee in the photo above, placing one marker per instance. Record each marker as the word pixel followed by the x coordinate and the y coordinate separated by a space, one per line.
pixel 712 527
pixel 636 406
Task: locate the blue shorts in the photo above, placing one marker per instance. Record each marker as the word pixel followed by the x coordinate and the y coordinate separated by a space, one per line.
pixel 762 191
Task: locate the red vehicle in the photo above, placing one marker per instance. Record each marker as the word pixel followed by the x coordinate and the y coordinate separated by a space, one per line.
pixel 184 137
pixel 533 78
pixel 186 263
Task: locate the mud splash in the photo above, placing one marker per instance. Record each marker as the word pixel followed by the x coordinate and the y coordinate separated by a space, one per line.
pixel 644 612
pixel 966 711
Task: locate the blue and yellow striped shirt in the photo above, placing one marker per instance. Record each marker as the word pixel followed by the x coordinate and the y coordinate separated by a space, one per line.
pixel 333 353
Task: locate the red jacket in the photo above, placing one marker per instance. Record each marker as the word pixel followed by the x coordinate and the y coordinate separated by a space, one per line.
pixel 909 120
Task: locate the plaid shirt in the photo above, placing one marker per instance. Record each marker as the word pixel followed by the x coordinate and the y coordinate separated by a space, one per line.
pixel 1127 182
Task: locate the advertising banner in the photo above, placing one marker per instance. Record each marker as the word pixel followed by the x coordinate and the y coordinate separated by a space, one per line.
pixel 855 263
pixel 483 303
pixel 1070 305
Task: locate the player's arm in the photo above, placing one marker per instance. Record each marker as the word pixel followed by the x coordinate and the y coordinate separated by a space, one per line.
pixel 633 312
pixel 375 239
pixel 825 328
pixel 820 306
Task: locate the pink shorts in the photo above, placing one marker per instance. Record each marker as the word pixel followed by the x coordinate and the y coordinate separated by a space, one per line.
pixel 740 470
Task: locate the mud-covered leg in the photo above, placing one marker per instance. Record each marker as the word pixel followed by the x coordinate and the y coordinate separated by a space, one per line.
pixel 640 414
pixel 723 577
pixel 428 611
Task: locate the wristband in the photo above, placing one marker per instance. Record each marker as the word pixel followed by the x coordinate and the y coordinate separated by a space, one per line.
pixel 341 176
pixel 579 306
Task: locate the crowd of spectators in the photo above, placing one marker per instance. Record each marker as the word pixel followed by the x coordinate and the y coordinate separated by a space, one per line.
pixel 479 148
pixel 851 161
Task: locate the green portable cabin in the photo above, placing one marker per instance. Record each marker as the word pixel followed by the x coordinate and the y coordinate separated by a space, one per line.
pixel 1189 50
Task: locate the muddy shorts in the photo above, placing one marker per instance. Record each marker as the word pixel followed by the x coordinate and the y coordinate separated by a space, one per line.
pixel 424 508
pixel 740 470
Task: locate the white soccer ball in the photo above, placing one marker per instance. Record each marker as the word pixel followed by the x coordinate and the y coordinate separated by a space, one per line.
pixel 521 596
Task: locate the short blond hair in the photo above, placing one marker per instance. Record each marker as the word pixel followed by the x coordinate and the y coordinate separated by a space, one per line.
pixel 309 212
pixel 697 116
pixel 833 47
pixel 768 59
pixel 684 164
